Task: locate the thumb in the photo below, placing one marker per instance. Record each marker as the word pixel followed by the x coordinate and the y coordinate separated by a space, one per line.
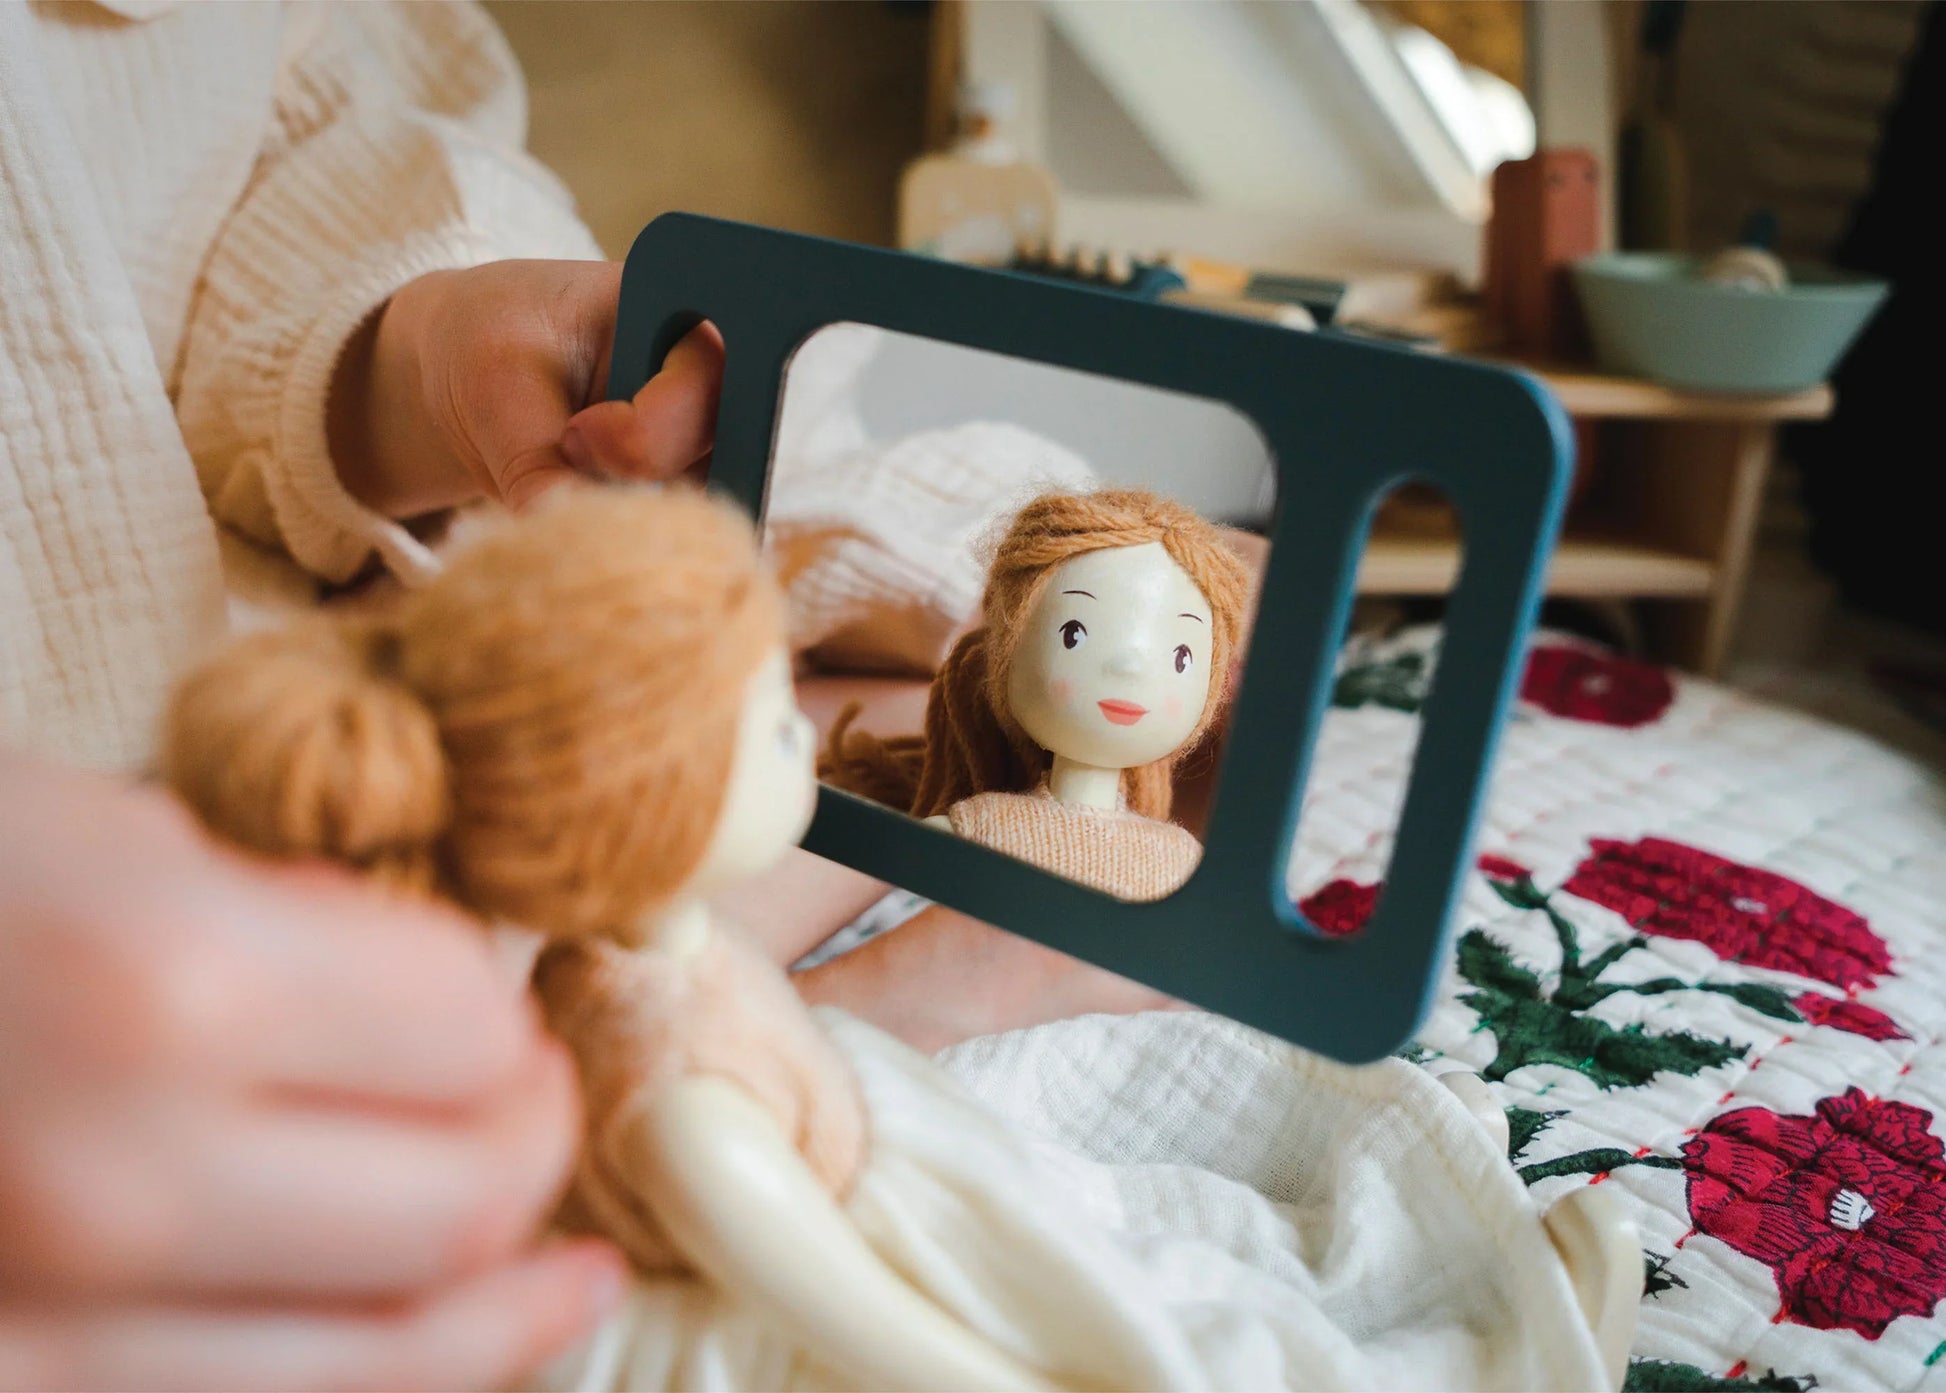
pixel 530 475
pixel 518 434
pixel 667 427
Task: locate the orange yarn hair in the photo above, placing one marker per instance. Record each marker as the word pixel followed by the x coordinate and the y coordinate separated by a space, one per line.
pixel 971 743
pixel 542 733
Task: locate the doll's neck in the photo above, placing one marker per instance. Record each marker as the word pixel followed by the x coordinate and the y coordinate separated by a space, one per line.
pixel 1089 785
pixel 682 930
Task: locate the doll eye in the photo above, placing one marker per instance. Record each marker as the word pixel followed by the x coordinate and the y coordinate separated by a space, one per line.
pixel 1184 657
pixel 1073 634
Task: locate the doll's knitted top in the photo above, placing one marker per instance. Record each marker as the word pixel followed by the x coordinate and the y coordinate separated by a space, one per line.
pixel 638 1019
pixel 1125 854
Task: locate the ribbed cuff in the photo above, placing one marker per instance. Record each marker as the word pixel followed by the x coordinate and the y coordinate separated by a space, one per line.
pixel 327 530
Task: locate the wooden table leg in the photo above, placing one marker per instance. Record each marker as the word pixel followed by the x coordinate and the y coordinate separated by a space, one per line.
pixel 1701 487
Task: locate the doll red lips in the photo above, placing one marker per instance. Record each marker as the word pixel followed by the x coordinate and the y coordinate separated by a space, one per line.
pixel 1122 713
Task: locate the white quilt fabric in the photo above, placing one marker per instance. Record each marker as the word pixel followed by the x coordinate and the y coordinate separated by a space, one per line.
pixel 1178 1203
pixel 1746 1044
pixel 1718 989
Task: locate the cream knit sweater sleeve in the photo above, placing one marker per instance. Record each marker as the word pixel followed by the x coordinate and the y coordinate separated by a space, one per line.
pixel 394 149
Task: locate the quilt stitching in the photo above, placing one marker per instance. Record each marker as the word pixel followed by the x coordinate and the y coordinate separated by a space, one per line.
pixel 1840 831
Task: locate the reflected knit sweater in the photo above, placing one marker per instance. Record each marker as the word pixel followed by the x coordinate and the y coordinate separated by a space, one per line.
pixel 1125 854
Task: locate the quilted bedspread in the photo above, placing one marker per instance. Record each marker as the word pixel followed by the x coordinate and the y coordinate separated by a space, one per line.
pixel 1702 962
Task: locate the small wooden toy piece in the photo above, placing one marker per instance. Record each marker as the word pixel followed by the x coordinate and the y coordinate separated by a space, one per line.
pixel 1110 270
pixel 1290 302
pixel 1751 264
pixel 1111 620
pixel 1546 216
pixel 977 201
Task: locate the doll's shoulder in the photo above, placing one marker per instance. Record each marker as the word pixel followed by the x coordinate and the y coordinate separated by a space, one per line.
pixel 1125 854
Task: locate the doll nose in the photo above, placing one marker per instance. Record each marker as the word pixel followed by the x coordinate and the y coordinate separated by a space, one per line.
pixel 1126 662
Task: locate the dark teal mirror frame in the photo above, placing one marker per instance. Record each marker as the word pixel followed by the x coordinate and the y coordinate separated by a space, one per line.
pixel 1346 421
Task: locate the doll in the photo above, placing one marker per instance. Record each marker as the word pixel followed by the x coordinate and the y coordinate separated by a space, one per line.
pixel 1109 623
pixel 584 726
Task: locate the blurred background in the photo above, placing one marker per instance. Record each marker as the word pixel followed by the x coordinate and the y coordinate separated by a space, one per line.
pixel 1356 145
pixel 802 114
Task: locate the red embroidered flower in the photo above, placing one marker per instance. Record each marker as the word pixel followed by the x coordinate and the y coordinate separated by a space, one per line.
pixel 1852 1016
pixel 1738 912
pixel 1601 687
pixel 1500 868
pixel 1846 1207
pixel 1339 907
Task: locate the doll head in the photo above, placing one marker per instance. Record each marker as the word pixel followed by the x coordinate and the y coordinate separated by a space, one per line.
pixel 586 715
pixel 1111 661
pixel 1109 621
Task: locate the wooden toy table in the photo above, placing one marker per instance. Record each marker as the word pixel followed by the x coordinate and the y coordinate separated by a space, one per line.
pixel 1668 519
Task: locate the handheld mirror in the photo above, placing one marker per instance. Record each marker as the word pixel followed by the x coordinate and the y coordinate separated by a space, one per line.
pixel 840 357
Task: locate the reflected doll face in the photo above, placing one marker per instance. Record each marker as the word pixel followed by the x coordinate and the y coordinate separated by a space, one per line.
pixel 1112 667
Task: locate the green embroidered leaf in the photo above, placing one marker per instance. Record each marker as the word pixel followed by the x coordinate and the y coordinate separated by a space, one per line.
pixel 1633 1056
pixel 1532 1031
pixel 1521 893
pixel 1398 684
pixel 1572 971
pixel 1758 996
pixel 1656 1277
pixel 1486 963
pixel 1613 954
pixel 1667 1376
pixel 1523 1125
pixel 1598 1161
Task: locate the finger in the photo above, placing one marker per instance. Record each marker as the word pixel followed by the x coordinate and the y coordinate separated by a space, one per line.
pixel 277 1201
pixel 346 991
pixel 667 427
pixel 515 418
pixel 484 1333
pixel 528 476
pixel 327 1202
pixel 555 322
pixel 174 960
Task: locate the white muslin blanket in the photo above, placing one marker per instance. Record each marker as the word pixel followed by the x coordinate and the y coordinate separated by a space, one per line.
pixel 1166 1201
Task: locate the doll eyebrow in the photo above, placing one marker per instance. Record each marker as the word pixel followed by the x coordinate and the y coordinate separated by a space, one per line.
pixel 1089 593
pixel 1197 617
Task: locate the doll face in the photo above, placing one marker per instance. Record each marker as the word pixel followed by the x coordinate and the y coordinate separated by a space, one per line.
pixel 1113 664
pixel 773 782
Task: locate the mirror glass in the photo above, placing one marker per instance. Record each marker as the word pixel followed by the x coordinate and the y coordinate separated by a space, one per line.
pixel 1022 595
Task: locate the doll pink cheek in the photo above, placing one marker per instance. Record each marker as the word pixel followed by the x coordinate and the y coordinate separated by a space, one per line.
pixel 1061 690
pixel 1173 705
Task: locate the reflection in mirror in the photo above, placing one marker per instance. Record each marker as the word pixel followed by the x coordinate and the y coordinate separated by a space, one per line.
pixel 1386 670
pixel 1020 593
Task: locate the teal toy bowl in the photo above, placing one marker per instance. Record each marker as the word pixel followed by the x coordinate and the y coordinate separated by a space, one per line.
pixel 1650 315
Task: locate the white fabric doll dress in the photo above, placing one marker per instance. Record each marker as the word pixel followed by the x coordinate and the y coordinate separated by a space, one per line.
pixel 1164 1201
